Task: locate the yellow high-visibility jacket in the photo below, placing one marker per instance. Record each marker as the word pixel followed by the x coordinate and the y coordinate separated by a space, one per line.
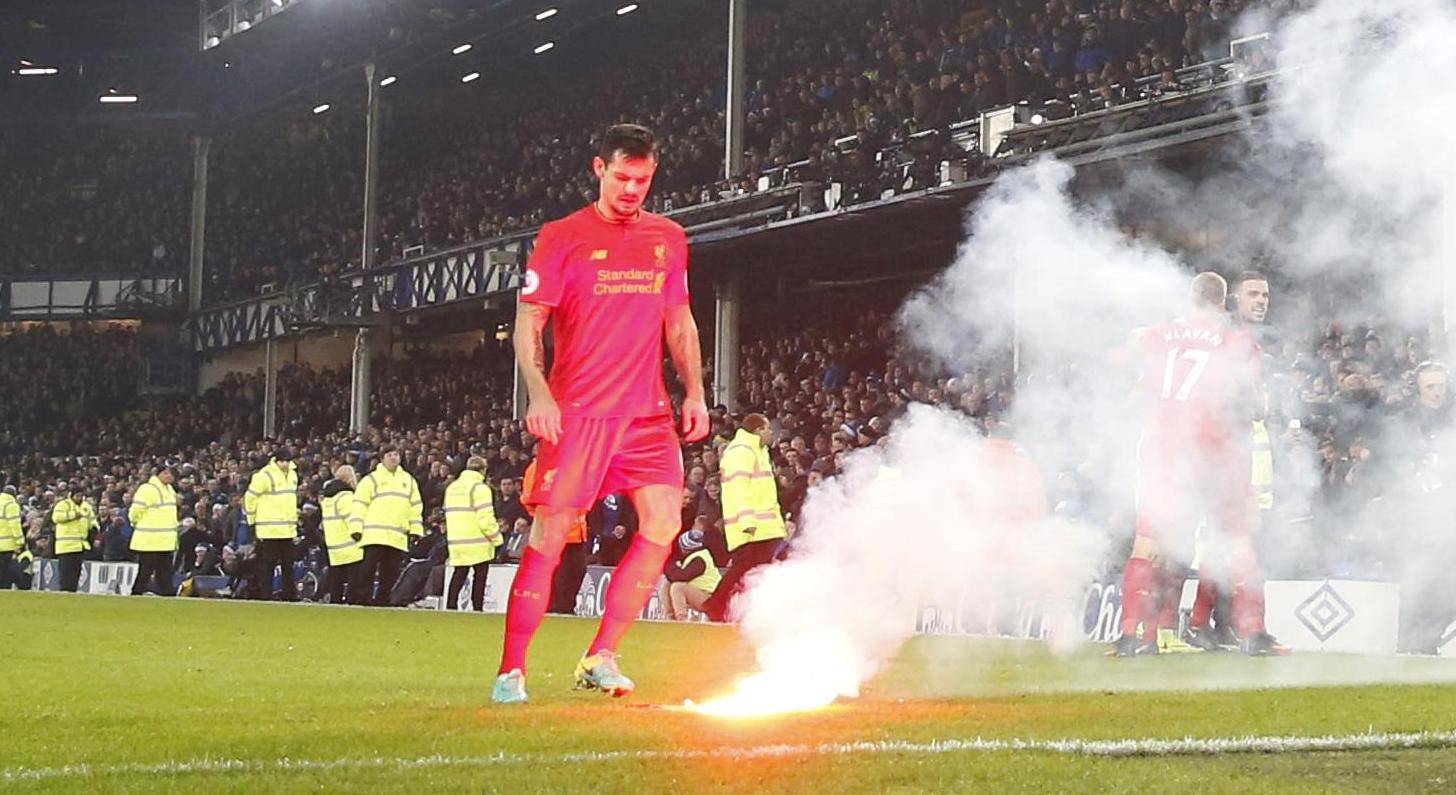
pixel 388 509
pixel 470 526
pixel 153 515
pixel 1263 466
pixel 750 495
pixel 338 507
pixel 272 502
pixel 12 535
pixel 73 525
pixel 709 579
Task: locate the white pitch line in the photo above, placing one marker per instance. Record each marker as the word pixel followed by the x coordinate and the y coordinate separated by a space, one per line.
pixel 1187 746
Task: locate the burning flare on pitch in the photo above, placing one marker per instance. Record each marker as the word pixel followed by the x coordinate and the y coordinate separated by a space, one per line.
pixel 806 673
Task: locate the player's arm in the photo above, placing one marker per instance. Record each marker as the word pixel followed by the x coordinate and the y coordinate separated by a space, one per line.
pixel 687 356
pixel 1127 356
pixel 543 416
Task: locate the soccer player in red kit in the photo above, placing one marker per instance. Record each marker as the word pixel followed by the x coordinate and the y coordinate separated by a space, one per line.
pixel 1202 378
pixel 612 281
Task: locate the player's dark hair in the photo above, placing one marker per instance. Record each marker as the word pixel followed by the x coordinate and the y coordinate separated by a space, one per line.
pixel 633 140
pixel 1249 276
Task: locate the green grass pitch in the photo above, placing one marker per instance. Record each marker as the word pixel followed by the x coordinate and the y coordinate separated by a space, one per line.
pixel 121 694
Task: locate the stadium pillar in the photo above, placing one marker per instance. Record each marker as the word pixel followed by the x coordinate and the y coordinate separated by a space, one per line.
pixel 360 380
pixel 270 388
pixel 1448 261
pixel 200 147
pixel 371 169
pixel 737 91
pixel 360 384
pixel 725 339
pixel 520 397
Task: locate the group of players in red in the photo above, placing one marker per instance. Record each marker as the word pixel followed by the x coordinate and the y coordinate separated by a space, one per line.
pixel 611 282
pixel 1202 378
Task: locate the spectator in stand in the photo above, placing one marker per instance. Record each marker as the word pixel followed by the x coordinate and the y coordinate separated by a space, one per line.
pixel 285 195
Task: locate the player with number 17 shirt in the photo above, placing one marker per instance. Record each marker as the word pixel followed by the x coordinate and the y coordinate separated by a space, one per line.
pixel 1202 383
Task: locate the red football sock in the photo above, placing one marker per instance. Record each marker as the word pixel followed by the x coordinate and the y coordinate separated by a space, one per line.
pixel 1137 581
pixel 530 595
pixel 1207 598
pixel 1170 588
pixel 1248 594
pixel 632 585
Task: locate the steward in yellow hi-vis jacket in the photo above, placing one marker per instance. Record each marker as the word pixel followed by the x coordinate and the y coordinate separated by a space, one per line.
pixel 388 511
pixel 471 531
pixel 153 516
pixel 341 538
pixel 272 507
pixel 692 577
pixel 73 518
pixel 752 520
pixel 12 536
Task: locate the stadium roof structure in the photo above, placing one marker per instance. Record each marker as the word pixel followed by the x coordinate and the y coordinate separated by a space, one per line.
pixel 299 57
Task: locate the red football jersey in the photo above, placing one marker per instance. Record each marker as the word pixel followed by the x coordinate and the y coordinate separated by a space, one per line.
pixel 1201 377
pixel 609 284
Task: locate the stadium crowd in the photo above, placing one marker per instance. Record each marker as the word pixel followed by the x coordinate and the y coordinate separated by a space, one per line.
pixel 463 165
pixel 93 199
pixel 1352 402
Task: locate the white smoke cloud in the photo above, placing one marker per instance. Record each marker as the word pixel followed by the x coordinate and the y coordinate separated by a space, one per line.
pixel 1349 175
pixel 917 522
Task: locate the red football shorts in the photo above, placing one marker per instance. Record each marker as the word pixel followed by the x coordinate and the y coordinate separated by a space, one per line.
pixel 598 456
pixel 1180 484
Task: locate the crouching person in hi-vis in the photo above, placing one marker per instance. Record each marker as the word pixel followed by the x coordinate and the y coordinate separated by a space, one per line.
pixel 692 577
pixel 471 531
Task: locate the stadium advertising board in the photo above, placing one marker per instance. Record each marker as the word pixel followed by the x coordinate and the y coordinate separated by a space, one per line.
pixel 1310 615
pixel 1334 615
pixel 1100 609
pixel 96 576
pixel 590 600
